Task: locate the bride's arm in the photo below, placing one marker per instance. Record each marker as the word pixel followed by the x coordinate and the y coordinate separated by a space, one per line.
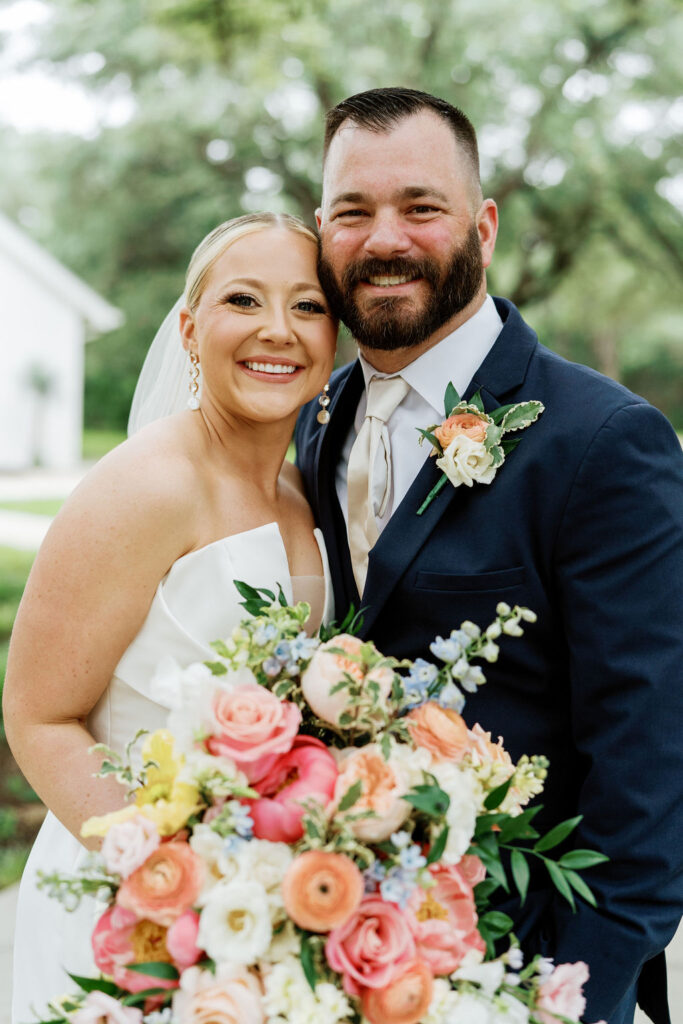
pixel 87 596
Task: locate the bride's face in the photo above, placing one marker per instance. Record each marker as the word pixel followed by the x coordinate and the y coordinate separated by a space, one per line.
pixel 262 328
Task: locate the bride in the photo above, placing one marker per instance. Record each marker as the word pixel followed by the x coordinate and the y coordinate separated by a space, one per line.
pixel 140 562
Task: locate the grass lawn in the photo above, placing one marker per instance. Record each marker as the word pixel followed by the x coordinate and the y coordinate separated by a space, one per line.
pixel 97 443
pixel 38 506
pixel 20 811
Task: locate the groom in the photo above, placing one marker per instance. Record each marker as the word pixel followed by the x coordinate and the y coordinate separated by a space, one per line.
pixel 583 523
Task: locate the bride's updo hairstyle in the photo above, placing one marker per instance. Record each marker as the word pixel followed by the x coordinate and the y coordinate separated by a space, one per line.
pixel 162 387
pixel 221 238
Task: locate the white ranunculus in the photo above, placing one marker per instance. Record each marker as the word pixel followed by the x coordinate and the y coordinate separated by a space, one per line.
pixel 461 816
pixel 234 926
pixel 467 462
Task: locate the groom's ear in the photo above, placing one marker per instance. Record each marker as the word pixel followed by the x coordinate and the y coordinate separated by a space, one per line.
pixel 187 330
pixel 319 216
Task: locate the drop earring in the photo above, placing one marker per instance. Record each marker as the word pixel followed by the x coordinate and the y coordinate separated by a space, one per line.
pixel 324 401
pixel 193 400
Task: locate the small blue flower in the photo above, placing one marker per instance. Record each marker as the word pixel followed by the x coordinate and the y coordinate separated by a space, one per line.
pixel 272 667
pixel 412 859
pixel 401 839
pixel 451 697
pixel 283 651
pixel 373 875
pixel 397 887
pixel 446 650
pixel 242 821
pixel 265 633
pixel 303 647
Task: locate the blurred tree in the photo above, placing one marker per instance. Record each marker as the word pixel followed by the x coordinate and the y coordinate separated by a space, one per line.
pixel 214 107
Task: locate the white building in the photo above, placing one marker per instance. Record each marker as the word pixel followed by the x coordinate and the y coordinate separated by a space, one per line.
pixel 46 316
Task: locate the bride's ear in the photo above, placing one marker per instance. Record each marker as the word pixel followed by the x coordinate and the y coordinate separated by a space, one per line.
pixel 187 332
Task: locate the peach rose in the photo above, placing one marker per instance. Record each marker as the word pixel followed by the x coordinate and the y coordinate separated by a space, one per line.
pixel 327 669
pixel 321 890
pixel 467 423
pixel 252 725
pixel 165 886
pixel 382 790
pixel 439 730
pixel 561 993
pixel 368 949
pixel 405 1000
pixel 120 939
pixel 230 996
pixel 443 920
pixel 307 772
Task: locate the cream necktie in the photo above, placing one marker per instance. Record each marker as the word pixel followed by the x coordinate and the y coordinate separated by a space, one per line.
pixel 370 463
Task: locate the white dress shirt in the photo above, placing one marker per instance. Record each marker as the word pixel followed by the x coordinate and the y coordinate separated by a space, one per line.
pixel 456 358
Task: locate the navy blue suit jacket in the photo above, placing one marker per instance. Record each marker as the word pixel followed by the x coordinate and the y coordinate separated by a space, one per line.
pixel 583 524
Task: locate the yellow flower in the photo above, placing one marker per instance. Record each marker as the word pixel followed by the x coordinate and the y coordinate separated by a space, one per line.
pixel 163 799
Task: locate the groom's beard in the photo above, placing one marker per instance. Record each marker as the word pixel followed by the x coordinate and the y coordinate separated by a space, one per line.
pixel 386 323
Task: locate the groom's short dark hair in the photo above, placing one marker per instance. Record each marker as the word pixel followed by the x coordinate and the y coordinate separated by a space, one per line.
pixel 381 110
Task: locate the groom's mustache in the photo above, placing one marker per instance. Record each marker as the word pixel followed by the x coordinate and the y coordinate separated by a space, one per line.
pixel 363 270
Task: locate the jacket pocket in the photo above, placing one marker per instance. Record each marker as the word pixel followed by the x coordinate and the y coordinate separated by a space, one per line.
pixel 502 579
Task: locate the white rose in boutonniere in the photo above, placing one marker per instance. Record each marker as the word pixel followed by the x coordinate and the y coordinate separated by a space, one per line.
pixel 470 443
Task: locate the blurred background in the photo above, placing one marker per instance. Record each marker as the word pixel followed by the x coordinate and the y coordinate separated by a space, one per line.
pixel 129 128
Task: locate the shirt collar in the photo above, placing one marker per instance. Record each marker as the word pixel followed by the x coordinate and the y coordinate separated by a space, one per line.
pixel 456 358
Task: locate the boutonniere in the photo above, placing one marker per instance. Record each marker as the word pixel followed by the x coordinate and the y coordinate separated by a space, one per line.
pixel 470 444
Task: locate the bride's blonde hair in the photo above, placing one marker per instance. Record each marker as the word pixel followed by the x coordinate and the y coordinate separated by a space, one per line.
pixel 222 237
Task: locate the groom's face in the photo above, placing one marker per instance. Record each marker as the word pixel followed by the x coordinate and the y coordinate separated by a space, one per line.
pixel 405 234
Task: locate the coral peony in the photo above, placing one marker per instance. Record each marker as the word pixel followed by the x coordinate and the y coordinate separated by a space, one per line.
pixel 165 886
pixel 405 1000
pixel 444 920
pixel 383 788
pixel 307 772
pixel 181 940
pixel 369 947
pixel 439 730
pixel 120 939
pixel 321 890
pixel 561 993
pixel 252 724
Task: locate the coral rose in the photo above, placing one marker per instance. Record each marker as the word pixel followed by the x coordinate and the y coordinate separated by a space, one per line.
pixel 307 772
pixel 120 939
pixel 165 886
pixel 405 1000
pixel 439 730
pixel 368 949
pixel 321 890
pixel 467 423
pixel 252 724
pixel 383 786
pixel 444 920
pixel 561 993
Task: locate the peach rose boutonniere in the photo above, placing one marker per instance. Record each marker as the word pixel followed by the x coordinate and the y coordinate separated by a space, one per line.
pixel 470 444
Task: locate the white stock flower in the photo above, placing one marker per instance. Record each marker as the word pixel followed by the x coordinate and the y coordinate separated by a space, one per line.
pixel 289 996
pixel 489 976
pixel 467 462
pixel 469 1008
pixel 286 942
pixel 234 925
pixel 461 816
pixel 508 1010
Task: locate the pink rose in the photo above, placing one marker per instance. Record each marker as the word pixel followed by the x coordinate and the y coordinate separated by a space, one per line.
pixel 307 772
pixel 128 844
pixel 252 725
pixel 120 938
pixel 181 940
pixel 368 949
pixel 99 1008
pixel 165 886
pixel 382 790
pixel 230 996
pixel 443 920
pixel 327 669
pixel 467 423
pixel 471 869
pixel 561 993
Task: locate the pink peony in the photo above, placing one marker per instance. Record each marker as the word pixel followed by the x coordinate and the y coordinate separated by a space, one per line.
pixel 252 725
pixel 99 1008
pixel 307 772
pixel 561 993
pixel 443 920
pixel 120 938
pixel 181 940
pixel 128 844
pixel 370 947
pixel 165 886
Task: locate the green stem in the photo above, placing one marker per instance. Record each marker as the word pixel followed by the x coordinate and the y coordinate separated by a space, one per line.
pixel 432 494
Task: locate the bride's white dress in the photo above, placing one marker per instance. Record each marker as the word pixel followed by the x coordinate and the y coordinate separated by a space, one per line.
pixel 195 603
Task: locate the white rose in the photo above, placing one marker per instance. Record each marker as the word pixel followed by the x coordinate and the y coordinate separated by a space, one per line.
pixel 466 462
pixel 234 925
pixel 128 844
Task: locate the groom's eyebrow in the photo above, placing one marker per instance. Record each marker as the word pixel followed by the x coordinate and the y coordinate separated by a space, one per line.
pixel 409 192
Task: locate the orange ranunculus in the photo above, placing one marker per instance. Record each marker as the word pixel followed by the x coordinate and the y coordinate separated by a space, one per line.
pixel 405 1000
pixel 321 890
pixel 439 730
pixel 165 886
pixel 467 423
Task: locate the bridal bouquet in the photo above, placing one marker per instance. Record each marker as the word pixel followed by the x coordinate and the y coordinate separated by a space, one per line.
pixel 316 837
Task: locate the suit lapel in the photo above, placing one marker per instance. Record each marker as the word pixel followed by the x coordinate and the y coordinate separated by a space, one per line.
pixel 502 372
